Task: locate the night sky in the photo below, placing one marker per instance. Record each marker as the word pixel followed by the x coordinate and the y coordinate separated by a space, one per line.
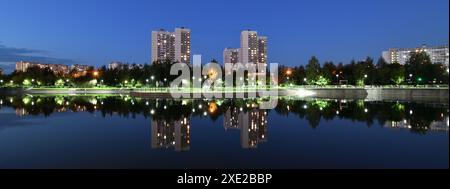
pixel 96 32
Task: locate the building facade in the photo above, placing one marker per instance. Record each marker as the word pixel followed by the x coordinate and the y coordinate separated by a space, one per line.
pixel 262 50
pixel 183 45
pixel 438 54
pixel 172 46
pixel 249 47
pixel 231 55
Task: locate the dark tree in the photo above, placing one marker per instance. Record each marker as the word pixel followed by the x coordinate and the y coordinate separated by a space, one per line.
pixel 312 70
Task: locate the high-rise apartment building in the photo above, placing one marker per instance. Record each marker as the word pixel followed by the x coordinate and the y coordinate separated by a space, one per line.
pixel 439 54
pixel 262 50
pixel 249 47
pixel 253 47
pixel 173 46
pixel 183 45
pixel 231 55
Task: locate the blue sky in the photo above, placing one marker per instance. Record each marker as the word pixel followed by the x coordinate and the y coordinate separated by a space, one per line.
pixel 97 32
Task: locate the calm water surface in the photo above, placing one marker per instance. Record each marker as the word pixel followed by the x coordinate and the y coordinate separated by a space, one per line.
pixel 125 132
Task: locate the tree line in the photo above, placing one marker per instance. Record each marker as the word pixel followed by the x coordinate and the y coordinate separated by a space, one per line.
pixel 418 70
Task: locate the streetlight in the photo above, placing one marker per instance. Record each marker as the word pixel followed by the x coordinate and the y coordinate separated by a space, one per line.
pixel 419 79
pixel 288 72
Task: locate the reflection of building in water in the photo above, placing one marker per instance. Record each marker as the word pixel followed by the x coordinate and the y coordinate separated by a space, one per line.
pixel 21 112
pixel 342 104
pixel 439 125
pixel 405 124
pixel 231 119
pixel 252 124
pixel 167 134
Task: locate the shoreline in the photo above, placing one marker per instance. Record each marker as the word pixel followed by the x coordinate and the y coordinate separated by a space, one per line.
pixel 439 95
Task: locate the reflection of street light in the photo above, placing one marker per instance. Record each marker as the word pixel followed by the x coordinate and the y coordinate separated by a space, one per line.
pixel 212 107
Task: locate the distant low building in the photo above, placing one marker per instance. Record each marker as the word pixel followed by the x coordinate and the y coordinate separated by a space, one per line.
pixel 80 68
pixel 23 66
pixel 438 54
pixel 115 65
pixel 140 66
pixel 121 65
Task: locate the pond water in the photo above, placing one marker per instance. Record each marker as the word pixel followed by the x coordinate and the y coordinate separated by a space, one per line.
pixel 124 132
